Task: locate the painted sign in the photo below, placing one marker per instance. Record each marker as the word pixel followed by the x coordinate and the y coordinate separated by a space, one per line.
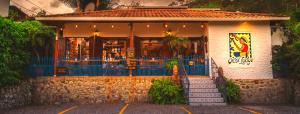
pixel 240 48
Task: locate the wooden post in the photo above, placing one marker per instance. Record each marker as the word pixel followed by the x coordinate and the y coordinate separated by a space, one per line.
pixel 55 52
pixel 131 39
pixel 130 51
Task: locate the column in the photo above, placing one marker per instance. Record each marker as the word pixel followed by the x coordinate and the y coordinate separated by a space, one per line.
pixel 55 55
pixel 131 37
pixel 130 51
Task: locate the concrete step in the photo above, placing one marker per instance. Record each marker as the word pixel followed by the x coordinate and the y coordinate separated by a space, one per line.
pixel 204 95
pixel 207 100
pixel 208 104
pixel 200 82
pixel 204 90
pixel 198 86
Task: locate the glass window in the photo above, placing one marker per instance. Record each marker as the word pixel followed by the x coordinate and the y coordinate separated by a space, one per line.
pixel 78 48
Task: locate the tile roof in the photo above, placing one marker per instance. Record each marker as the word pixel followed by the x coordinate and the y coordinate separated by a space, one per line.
pixel 171 13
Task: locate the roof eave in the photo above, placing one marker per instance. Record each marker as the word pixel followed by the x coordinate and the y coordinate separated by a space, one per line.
pixel 131 19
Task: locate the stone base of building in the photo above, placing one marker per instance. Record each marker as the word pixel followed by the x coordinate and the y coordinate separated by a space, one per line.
pixel 15 96
pixel 89 90
pixel 269 91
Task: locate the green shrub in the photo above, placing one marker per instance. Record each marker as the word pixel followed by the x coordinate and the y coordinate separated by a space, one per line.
pixel 170 64
pixel 18 42
pixel 165 91
pixel 13 53
pixel 232 92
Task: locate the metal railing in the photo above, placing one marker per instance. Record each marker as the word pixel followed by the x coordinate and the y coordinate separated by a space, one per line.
pixel 145 66
pixel 219 79
pixel 185 82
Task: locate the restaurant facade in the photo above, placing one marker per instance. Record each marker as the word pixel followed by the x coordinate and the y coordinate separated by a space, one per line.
pixel 131 42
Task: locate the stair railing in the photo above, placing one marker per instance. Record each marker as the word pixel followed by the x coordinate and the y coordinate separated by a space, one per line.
pixel 185 82
pixel 219 79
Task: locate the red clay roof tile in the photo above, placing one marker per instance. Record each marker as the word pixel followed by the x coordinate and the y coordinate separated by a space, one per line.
pixel 165 13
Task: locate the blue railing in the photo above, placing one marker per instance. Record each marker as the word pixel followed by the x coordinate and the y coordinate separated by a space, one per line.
pixel 146 66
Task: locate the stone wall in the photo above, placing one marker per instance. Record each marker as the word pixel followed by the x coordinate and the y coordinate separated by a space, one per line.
pixel 297 93
pixel 88 90
pixel 15 96
pixel 268 91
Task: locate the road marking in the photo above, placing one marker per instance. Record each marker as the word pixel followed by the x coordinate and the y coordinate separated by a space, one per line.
pixel 123 109
pixel 249 110
pixel 64 111
pixel 186 110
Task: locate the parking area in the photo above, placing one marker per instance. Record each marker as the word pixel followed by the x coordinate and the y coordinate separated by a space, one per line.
pixel 119 108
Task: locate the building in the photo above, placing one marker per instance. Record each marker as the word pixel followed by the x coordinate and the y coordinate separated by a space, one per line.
pixel 238 42
pixel 4 7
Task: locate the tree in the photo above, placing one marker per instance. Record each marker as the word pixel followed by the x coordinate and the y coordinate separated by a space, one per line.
pixel 13 52
pixel 286 58
pixel 176 44
pixel 18 40
pixel 40 37
pixel 100 4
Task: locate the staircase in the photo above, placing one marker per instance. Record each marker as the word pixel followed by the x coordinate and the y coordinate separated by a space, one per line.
pixel 203 92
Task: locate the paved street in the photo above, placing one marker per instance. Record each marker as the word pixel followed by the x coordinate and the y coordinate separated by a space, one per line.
pixel 152 109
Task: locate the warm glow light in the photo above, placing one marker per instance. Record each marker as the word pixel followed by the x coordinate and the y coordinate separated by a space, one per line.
pixel 168 33
pixel 76 26
pixel 95 26
pixel 61 29
pixel 148 26
pixel 183 26
pixel 112 26
pixel 243 27
pixel 97 33
pixel 166 25
pixel 202 26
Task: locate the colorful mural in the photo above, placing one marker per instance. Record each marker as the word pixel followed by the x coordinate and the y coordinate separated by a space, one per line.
pixel 240 48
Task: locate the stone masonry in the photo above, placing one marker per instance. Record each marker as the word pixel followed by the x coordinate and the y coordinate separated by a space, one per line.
pixel 15 96
pixel 101 89
pixel 268 91
pixel 88 90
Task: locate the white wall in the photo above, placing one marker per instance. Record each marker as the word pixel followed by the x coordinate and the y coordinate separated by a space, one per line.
pixel 4 6
pixel 278 36
pixel 261 67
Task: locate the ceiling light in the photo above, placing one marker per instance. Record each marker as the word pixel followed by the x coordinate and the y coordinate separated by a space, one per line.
pixel 166 25
pixel 202 26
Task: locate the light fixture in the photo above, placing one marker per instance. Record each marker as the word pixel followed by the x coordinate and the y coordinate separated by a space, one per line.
pixel 169 33
pixel 148 26
pixel 61 29
pixel 183 26
pixel 97 33
pixel 76 26
pixel 112 26
pixel 166 26
pixel 95 26
pixel 202 26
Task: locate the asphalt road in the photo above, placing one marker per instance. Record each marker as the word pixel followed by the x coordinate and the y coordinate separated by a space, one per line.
pixel 151 109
